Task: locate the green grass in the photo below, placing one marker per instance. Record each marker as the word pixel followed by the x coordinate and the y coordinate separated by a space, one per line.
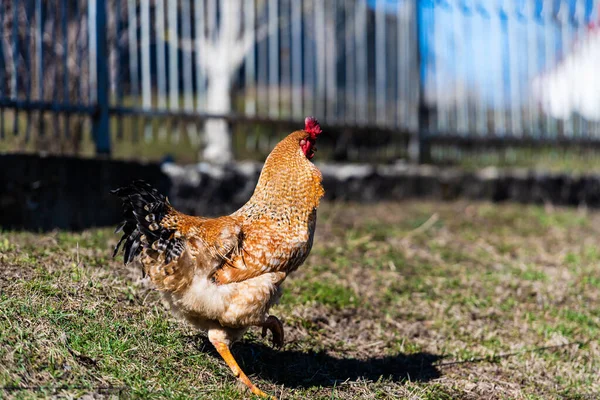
pixel 143 139
pixel 545 158
pixel 420 300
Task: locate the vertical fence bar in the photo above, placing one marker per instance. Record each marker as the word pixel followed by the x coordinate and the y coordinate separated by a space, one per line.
pixel 401 69
pixel 250 87
pixel 2 69
pixel 380 62
pixel 90 54
pixel 15 64
pixel 577 22
pixel 549 52
pixel 199 29
pixel 112 37
pixel 133 48
pixel 285 83
pixel 83 41
pixel 418 146
pixel 29 62
pixel 500 104
pixel 273 58
pixel 413 69
pixel 65 44
pixel 441 82
pixel 186 33
pixel 308 57
pixel 565 27
pixel 405 61
pixel 250 60
pixel 100 120
pixel 516 125
pixel 15 55
pixel 92 49
pixel 296 43
pixel 361 56
pixel 594 16
pixel 188 84
pixel 262 67
pixel 319 27
pixel 172 27
pixel 331 60
pixel 481 108
pixel 532 61
pixel 119 66
pixel 159 21
pixel 462 41
pixel 161 70
pixel 55 75
pixel 134 72
pixel 392 75
pixel 452 48
pixel 350 53
pixel 65 95
pixel 145 55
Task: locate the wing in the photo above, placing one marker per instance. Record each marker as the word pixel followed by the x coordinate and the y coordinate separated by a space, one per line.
pixel 268 247
pixel 170 245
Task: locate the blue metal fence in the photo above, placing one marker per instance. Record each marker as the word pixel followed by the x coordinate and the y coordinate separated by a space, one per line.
pixel 135 73
pixel 351 63
pixel 482 58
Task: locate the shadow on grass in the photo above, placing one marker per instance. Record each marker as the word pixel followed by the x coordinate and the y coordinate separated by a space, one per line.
pixel 298 369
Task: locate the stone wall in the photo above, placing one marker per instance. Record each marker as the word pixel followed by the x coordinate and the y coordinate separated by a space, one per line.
pixel 72 193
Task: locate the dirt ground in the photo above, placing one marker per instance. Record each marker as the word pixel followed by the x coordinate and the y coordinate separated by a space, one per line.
pixel 397 300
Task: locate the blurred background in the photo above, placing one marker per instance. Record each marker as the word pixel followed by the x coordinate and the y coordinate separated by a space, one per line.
pixel 470 83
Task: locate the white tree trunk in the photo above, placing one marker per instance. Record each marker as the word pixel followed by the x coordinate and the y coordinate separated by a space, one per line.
pixel 220 76
pixel 216 131
pixel 225 46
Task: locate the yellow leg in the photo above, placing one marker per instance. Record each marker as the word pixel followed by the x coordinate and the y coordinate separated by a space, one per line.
pixel 223 350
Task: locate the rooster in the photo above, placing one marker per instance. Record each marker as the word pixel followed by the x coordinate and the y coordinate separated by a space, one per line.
pixel 223 274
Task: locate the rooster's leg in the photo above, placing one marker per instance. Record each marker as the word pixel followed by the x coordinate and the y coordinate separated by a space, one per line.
pixel 223 350
pixel 273 324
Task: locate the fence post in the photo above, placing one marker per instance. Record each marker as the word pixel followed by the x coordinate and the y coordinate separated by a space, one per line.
pixel 419 151
pixel 423 132
pixel 100 119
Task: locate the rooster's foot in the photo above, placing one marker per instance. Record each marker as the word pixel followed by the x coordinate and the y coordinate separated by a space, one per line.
pixel 273 324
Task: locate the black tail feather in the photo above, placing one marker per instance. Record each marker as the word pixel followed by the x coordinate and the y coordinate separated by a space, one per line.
pixel 143 208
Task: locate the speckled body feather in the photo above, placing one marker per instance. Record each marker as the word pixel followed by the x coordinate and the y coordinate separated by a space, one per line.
pixel 223 274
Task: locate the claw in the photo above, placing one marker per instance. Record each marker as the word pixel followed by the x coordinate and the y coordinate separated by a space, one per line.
pixel 273 324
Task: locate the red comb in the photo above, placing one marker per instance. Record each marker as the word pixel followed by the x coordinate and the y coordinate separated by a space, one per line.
pixel 312 127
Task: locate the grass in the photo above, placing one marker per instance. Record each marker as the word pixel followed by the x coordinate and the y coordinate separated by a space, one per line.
pixel 409 300
pixel 578 160
pixel 143 139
